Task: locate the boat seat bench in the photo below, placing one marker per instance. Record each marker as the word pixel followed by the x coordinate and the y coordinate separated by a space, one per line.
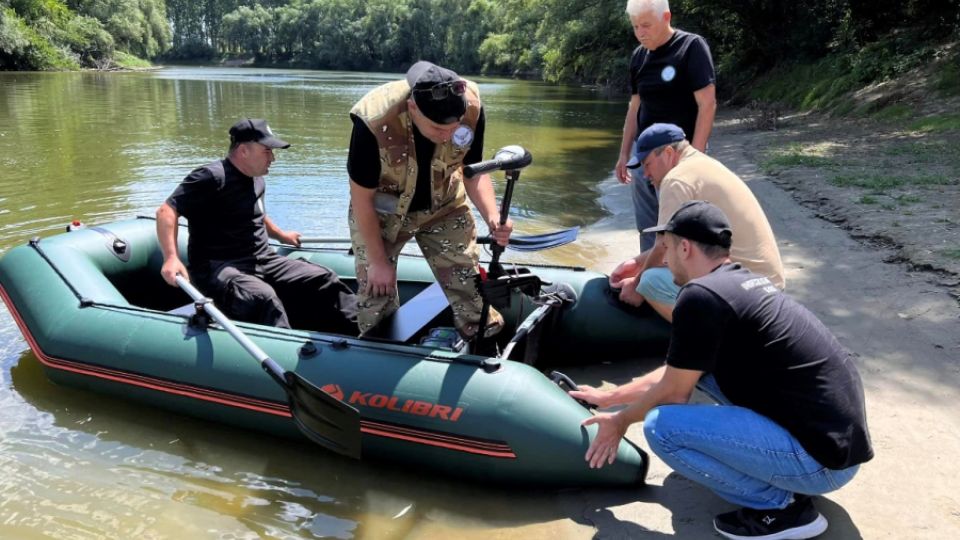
pixel 412 317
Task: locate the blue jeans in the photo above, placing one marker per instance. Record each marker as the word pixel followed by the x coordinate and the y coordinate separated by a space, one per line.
pixel 657 284
pixel 646 206
pixel 742 456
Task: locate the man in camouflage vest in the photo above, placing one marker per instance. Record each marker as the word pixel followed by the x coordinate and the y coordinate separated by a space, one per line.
pixel 411 139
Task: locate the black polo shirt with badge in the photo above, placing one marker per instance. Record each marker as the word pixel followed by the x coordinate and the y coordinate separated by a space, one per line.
pixel 666 78
pixel 771 355
pixel 363 160
pixel 225 214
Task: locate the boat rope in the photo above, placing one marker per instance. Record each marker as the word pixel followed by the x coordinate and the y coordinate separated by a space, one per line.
pixel 35 244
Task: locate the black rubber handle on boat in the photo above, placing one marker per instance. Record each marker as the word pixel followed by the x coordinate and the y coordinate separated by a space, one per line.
pixel 321 417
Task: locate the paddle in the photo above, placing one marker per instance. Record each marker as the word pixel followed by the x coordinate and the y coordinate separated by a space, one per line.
pixel 510 159
pixel 532 242
pixel 324 419
pixel 537 242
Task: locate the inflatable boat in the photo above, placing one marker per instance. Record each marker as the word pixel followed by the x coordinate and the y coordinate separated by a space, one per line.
pixel 97 315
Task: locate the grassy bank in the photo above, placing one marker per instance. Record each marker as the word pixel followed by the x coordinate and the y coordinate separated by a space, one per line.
pixel 890 80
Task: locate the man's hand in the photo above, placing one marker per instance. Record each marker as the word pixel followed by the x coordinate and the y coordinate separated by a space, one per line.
pixel 501 233
pixel 381 280
pixel 603 450
pixel 627 269
pixel 623 173
pixel 291 238
pixel 587 393
pixel 628 291
pixel 172 267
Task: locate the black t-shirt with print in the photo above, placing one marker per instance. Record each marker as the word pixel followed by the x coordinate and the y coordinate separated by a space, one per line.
pixel 770 354
pixel 666 78
pixel 363 161
pixel 225 214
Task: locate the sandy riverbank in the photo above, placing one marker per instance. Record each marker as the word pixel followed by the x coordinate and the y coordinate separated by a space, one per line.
pixel 902 324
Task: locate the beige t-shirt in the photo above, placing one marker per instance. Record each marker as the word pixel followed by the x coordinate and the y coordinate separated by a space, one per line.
pixel 700 177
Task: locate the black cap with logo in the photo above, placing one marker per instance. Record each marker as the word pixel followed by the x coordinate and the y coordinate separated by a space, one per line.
pixel 699 221
pixel 438 92
pixel 255 130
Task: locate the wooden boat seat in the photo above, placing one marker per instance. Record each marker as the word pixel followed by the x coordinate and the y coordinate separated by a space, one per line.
pixel 412 317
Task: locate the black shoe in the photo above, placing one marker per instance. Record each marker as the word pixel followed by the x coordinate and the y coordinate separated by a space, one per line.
pixel 798 521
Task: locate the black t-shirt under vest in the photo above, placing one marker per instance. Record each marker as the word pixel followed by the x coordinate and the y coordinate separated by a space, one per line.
pixel 363 160
pixel 224 210
pixel 771 355
pixel 666 78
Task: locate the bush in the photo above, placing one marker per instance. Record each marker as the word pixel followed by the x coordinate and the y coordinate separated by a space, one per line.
pixel 24 48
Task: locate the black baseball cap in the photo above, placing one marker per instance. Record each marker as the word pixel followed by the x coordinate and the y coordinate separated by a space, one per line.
pixel 442 107
pixel 655 136
pixel 699 221
pixel 255 130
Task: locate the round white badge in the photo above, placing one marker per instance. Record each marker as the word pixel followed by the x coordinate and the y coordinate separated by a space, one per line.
pixel 668 73
pixel 462 137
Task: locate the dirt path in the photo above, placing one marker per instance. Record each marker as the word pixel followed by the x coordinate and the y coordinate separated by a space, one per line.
pixel 903 324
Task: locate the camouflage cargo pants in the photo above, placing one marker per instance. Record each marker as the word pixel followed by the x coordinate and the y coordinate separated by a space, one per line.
pixel 448 242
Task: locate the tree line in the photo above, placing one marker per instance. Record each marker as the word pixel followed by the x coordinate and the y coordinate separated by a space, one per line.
pixel 558 40
pixel 70 34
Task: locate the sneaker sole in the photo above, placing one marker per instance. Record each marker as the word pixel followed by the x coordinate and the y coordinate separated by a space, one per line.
pixel 803 532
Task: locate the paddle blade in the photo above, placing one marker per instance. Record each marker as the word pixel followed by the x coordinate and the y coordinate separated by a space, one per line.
pixel 324 419
pixel 537 242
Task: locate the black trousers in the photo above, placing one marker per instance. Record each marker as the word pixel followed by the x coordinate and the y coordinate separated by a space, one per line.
pixel 281 292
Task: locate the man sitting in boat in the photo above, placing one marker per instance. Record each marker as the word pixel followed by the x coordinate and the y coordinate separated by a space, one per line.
pixel 681 173
pixel 411 139
pixel 791 421
pixel 230 258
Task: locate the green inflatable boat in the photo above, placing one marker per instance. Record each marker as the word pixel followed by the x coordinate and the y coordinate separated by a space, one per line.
pixel 97 315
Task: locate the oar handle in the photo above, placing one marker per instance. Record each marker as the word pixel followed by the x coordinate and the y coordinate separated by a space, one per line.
pixel 268 364
pixel 322 240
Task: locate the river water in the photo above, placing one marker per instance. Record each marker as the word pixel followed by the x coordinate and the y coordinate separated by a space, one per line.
pixel 105 146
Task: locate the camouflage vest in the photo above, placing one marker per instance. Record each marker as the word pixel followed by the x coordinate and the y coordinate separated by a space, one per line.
pixel 384 111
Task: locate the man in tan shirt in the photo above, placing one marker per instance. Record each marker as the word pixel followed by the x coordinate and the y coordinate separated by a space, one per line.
pixel 681 173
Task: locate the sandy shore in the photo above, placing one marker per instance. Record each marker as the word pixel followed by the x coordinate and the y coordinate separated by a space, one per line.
pixel 903 326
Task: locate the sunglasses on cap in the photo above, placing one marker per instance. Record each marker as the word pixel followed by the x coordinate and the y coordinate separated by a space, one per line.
pixel 441 91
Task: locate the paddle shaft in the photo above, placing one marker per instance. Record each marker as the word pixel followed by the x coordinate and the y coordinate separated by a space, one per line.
pixel 495 269
pixel 532 242
pixel 269 365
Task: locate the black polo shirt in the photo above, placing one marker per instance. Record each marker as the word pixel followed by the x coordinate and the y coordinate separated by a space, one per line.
pixel 771 355
pixel 665 80
pixel 363 161
pixel 225 213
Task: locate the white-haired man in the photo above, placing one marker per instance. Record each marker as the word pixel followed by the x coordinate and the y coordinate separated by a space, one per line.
pixel 672 80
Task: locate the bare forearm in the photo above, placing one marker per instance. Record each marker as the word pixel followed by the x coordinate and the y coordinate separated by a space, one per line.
pixel 630 126
pixel 480 191
pixel 632 391
pixel 272 230
pixel 167 231
pixel 654 257
pixel 706 112
pixel 671 386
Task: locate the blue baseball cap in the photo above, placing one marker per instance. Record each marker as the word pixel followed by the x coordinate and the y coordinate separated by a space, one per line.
pixel 655 136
